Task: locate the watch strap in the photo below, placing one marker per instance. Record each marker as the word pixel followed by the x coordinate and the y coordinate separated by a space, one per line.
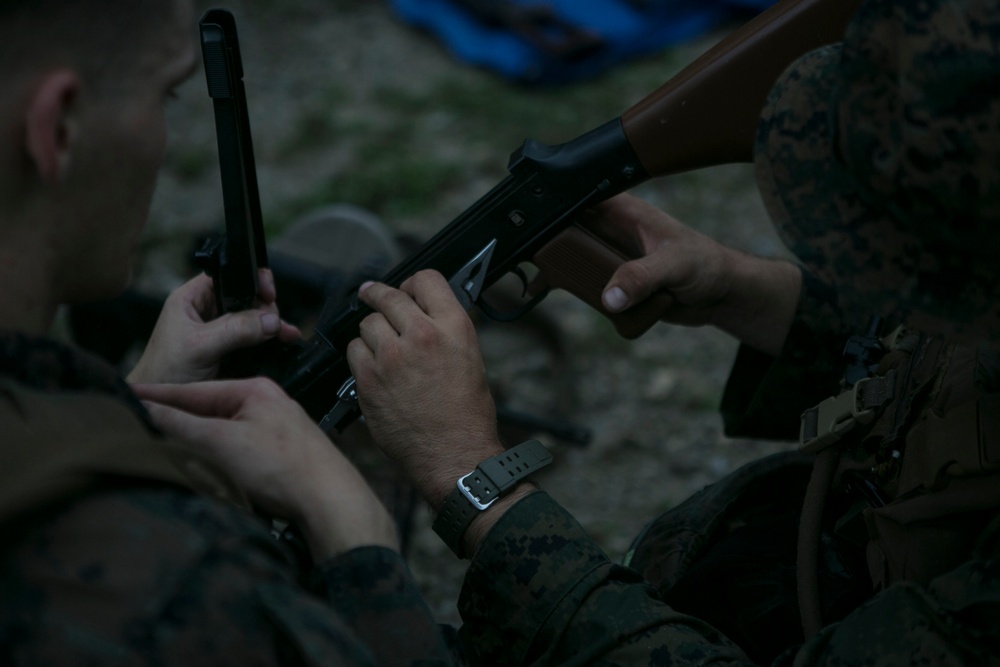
pixel 479 489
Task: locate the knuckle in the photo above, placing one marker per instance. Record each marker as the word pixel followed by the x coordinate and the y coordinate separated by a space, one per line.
pixel 241 327
pixel 423 275
pixel 265 386
pixel 383 297
pixel 424 333
pixel 356 346
pixel 425 279
pixel 634 275
pixel 370 323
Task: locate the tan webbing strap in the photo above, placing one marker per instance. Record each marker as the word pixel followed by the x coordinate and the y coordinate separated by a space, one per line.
pixel 807 556
pixel 836 416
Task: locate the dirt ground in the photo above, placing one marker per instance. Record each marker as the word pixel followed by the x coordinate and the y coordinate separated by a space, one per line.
pixel 650 404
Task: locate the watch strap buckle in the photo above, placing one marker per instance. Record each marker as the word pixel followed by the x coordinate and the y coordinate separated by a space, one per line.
pixel 470 495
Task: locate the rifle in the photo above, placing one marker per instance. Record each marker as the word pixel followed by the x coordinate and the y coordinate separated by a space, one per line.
pixel 704 116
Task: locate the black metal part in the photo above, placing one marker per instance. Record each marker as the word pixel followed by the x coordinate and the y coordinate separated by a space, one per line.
pixel 856 482
pixel 863 352
pixel 547 186
pixel 232 261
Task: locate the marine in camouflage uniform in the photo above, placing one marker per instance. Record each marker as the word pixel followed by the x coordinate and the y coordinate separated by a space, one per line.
pixel 122 546
pixel 877 542
pixel 110 556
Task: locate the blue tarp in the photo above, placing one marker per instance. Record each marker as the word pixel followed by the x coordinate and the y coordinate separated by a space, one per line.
pixel 559 41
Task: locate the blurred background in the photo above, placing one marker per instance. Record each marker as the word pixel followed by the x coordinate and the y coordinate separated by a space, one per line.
pixel 350 104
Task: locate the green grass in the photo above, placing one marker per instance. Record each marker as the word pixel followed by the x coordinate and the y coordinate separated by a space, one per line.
pixel 390 188
pixel 420 143
pixel 191 163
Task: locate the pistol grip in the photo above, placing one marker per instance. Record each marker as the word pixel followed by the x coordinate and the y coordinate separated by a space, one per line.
pixel 582 264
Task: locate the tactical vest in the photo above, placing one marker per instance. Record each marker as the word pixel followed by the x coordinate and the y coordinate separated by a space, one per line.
pixel 917 445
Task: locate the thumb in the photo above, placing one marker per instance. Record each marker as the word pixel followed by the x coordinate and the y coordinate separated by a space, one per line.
pixel 632 283
pixel 234 331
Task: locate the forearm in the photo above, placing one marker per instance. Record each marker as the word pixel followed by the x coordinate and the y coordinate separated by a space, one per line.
pixel 760 305
pixel 806 369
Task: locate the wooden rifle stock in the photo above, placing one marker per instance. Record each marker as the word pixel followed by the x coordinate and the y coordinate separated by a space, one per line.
pixel 704 116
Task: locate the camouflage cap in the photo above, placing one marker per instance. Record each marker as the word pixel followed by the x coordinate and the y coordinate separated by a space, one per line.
pixel 879 161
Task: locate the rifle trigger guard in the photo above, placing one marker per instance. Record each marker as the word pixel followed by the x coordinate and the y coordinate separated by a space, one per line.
pixel 519 272
pixel 509 316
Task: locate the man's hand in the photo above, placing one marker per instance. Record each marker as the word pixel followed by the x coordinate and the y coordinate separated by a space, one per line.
pixel 421 383
pixel 752 298
pixel 187 344
pixel 271 448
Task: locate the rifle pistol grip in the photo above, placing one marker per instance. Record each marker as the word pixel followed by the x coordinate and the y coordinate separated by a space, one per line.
pixel 581 263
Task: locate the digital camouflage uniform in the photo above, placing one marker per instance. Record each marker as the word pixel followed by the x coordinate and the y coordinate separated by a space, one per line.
pixel 109 558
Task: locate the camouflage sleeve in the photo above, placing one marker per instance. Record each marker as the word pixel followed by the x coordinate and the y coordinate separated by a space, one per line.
pixel 765 395
pixel 540 592
pixel 160 576
pixel 373 590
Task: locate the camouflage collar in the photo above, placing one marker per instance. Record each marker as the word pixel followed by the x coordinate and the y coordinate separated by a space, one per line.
pixel 48 365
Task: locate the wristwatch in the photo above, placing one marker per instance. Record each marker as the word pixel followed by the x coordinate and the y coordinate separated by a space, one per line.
pixel 482 487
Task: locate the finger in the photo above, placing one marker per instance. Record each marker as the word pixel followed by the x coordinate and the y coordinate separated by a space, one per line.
pixel 266 290
pixel 360 358
pixel 432 293
pixel 234 331
pixel 289 333
pixel 634 281
pixel 374 329
pixel 208 399
pixel 181 424
pixel 616 223
pixel 199 294
pixel 397 306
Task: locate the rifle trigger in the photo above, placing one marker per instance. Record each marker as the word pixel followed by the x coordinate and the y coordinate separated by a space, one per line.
pixel 519 272
pixel 468 281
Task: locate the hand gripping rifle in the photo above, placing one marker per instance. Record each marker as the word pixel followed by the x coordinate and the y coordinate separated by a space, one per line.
pixel 706 115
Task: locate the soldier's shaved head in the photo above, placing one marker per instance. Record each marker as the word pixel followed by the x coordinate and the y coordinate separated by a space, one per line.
pixel 101 39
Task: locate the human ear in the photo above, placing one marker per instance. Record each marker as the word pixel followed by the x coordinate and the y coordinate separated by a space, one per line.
pixel 50 124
